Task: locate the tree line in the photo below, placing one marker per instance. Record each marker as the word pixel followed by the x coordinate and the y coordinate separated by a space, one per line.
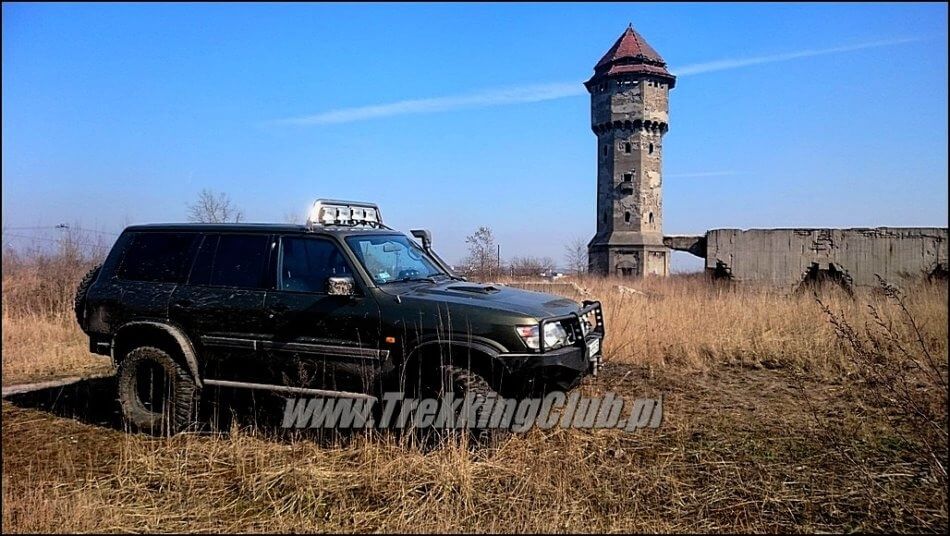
pixel 484 261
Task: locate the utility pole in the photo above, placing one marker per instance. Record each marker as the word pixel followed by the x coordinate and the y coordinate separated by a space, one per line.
pixel 499 259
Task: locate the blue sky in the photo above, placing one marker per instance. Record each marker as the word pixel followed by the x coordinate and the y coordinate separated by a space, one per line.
pixel 455 116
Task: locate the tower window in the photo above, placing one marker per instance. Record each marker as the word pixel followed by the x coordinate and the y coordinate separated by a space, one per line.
pixel 605 150
pixel 626 217
pixel 651 217
pixel 651 148
pixel 626 148
pixel 627 177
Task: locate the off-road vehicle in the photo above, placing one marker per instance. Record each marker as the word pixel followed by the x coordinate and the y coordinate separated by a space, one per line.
pixel 341 306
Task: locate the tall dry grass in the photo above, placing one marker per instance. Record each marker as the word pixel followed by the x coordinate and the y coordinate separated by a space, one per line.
pixel 689 322
pixel 41 338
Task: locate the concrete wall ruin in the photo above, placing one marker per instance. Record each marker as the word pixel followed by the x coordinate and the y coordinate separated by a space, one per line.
pixel 786 257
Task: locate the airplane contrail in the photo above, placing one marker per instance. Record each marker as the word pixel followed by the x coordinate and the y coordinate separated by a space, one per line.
pixel 551 91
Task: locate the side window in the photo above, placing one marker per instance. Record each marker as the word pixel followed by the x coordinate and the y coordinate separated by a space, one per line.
pixel 240 261
pixel 157 257
pixel 306 263
pixel 231 261
pixel 201 271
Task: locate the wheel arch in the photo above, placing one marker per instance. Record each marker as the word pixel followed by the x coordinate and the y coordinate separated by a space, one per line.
pixel 481 357
pixel 145 332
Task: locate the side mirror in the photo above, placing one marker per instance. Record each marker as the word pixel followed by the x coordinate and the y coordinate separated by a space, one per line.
pixel 341 286
pixel 424 236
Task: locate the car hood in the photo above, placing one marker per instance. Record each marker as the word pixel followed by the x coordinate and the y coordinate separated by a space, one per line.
pixel 525 302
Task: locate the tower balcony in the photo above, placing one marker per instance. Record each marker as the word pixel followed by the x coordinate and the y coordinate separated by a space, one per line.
pixel 656 127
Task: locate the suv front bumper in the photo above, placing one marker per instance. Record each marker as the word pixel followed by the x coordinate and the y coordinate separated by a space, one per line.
pixel 562 367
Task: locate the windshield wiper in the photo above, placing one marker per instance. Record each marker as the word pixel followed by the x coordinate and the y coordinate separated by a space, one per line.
pixel 452 277
pixel 410 278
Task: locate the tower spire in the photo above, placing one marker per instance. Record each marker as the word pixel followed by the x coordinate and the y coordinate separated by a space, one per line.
pixel 631 54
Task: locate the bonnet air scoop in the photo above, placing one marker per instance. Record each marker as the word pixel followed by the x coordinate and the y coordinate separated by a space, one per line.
pixel 475 289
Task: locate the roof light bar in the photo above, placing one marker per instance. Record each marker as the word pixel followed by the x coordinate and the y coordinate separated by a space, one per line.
pixel 333 212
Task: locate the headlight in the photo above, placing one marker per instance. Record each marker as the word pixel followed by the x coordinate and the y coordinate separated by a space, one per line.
pixel 554 336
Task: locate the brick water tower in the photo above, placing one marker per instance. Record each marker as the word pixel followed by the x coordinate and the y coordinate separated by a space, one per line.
pixel 629 108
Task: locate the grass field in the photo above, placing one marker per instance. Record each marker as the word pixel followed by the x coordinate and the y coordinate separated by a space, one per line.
pixel 781 414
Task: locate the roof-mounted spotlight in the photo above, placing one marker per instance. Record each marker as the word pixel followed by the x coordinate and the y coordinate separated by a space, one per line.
pixel 327 212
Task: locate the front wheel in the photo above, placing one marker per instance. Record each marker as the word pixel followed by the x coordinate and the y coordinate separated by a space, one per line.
pixel 464 383
pixel 157 395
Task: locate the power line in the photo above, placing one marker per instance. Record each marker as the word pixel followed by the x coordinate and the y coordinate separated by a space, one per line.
pixel 62 226
pixel 93 231
pixel 54 240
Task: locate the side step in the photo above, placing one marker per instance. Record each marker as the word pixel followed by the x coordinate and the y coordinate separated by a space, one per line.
pixel 288 390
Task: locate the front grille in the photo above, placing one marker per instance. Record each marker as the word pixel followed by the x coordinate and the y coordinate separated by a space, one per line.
pixel 580 325
pixel 588 322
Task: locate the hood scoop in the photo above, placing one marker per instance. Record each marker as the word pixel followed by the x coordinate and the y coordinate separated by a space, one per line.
pixel 475 289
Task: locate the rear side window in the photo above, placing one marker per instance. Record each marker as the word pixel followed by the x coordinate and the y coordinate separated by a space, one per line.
pixel 307 263
pixel 232 261
pixel 156 257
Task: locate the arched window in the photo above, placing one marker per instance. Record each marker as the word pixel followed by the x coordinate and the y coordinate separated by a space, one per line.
pixel 651 217
pixel 651 148
pixel 626 217
pixel 626 148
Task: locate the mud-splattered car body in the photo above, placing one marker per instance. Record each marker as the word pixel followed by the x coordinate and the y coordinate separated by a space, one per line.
pixel 315 307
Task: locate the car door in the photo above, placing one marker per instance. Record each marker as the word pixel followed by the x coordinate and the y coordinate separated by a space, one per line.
pixel 221 306
pixel 321 340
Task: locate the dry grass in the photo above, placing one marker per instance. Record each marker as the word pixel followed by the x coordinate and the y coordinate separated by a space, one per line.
pixel 37 347
pixel 741 448
pixel 686 322
pixel 40 336
pixel 721 462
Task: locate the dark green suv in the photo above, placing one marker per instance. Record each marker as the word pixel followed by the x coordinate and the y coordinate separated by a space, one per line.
pixel 342 306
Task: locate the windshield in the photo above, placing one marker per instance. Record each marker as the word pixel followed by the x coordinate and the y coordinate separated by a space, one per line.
pixel 390 258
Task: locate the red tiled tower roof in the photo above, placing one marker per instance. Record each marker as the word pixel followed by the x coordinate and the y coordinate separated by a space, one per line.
pixel 631 54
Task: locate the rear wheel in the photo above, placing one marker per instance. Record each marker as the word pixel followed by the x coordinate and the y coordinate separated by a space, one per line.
pixel 157 395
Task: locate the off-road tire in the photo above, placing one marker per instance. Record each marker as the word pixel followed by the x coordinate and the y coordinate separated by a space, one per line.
pixel 464 382
pixel 181 393
pixel 79 301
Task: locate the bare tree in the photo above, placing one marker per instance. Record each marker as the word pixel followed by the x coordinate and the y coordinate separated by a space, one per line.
pixel 575 254
pixel 531 266
pixel 292 216
pixel 211 207
pixel 482 253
